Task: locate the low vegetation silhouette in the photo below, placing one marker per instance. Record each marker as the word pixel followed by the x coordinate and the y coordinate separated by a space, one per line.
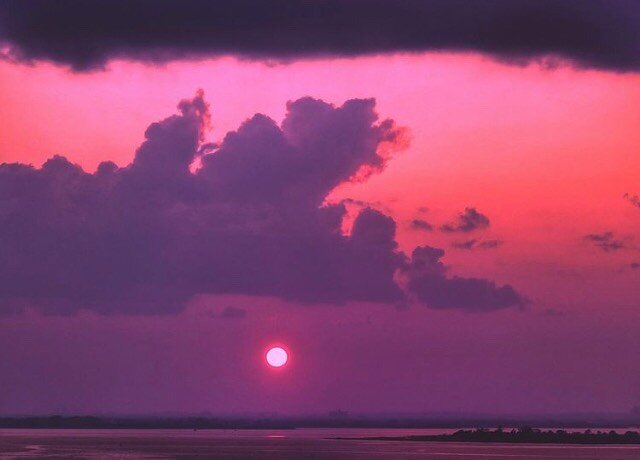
pixel 526 435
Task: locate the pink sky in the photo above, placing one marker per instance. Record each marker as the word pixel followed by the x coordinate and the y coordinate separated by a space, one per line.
pixel 546 154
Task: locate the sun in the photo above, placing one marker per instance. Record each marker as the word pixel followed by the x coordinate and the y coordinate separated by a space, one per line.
pixel 276 357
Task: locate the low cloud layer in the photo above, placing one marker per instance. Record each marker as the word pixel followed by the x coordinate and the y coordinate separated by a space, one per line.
pixel 252 220
pixel 85 35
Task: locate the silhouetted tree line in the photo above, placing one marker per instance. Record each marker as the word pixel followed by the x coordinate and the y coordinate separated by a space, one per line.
pixel 528 435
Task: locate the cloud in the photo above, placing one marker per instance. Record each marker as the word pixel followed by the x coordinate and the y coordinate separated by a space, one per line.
pixel 421 224
pixel 425 277
pixel 477 244
pixel 252 220
pixel 467 221
pixel 605 241
pixel 490 244
pixel 633 199
pixel 635 265
pixel 469 244
pixel 87 35
pixel 359 203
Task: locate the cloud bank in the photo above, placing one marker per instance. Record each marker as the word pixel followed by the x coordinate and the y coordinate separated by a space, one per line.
pixel 84 35
pixel 251 220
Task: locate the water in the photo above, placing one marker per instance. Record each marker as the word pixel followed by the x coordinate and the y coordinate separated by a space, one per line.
pixel 276 444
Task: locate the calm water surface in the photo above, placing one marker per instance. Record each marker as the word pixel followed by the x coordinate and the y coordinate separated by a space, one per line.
pixel 275 444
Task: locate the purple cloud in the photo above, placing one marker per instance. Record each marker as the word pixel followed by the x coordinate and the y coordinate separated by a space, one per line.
pixel 252 220
pixel 490 244
pixel 467 221
pixel 425 277
pixel 421 224
pixel 477 244
pixel 605 241
pixel 633 199
pixel 468 244
pixel 86 35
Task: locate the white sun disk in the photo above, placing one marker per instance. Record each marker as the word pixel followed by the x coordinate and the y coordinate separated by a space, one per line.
pixel 276 357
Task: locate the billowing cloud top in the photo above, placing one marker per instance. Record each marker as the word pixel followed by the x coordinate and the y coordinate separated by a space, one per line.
pixel 594 33
pixel 250 220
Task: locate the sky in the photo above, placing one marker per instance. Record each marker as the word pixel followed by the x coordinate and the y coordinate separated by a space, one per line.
pixel 444 220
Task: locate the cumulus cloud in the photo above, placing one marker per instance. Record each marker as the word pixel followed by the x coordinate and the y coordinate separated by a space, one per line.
pixel 251 220
pixel 467 221
pixel 605 241
pixel 86 35
pixel 421 224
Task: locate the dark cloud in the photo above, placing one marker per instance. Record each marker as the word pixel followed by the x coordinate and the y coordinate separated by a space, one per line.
pixel 467 221
pixel 469 244
pixel 490 244
pixel 425 277
pixel 633 199
pixel 421 224
pixel 605 241
pixel 359 203
pixel 364 204
pixel 635 265
pixel 477 244
pixel 592 33
pixel 252 220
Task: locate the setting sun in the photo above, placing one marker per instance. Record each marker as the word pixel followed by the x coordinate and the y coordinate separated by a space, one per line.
pixel 277 357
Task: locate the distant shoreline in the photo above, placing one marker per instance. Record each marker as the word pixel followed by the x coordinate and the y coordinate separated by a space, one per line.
pixel 523 435
pixel 287 423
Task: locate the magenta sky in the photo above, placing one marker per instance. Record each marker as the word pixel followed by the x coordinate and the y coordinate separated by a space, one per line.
pixel 547 159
